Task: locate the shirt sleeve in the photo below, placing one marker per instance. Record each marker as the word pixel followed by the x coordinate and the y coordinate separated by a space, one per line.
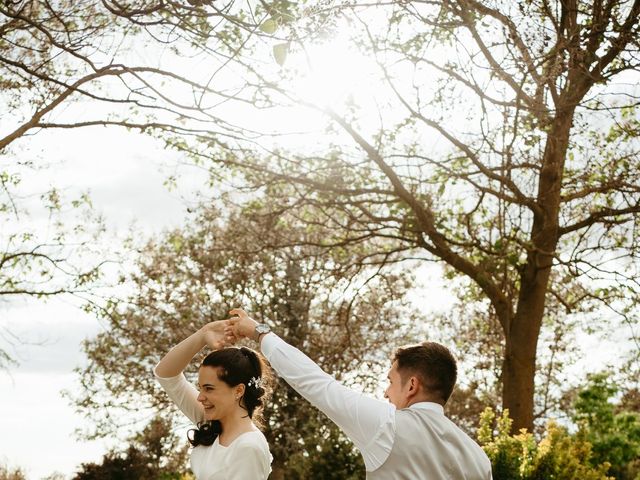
pixel 368 422
pixel 184 395
pixel 249 460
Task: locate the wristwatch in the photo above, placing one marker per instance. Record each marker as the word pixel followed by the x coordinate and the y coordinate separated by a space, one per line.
pixel 262 329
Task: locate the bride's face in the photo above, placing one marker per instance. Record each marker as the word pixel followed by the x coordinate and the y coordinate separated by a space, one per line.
pixel 218 399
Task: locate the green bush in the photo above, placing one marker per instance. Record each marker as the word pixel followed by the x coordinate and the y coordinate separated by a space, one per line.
pixel 153 454
pixel 613 431
pixel 333 457
pixel 558 456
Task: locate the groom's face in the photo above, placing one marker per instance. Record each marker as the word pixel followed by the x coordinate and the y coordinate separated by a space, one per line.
pixel 397 392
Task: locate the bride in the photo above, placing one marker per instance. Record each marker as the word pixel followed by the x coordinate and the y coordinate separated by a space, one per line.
pixel 233 384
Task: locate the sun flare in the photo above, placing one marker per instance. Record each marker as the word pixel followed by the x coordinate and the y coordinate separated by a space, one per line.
pixel 332 73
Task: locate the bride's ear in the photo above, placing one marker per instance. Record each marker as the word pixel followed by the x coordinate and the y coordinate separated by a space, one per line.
pixel 239 390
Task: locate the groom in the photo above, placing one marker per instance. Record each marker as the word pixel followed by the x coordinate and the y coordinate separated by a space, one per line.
pixel 408 438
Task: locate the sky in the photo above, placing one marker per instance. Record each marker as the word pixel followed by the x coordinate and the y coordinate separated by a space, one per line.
pixel 125 176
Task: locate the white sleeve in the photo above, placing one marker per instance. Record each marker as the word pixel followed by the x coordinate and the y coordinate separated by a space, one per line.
pixel 184 395
pixel 368 422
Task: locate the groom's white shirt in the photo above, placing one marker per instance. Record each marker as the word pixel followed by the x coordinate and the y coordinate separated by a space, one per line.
pixel 368 422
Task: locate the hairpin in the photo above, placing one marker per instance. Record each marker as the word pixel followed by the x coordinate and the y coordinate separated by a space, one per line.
pixel 255 382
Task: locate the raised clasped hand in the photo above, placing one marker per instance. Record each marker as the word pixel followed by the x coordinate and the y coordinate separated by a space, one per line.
pixel 217 334
pixel 241 325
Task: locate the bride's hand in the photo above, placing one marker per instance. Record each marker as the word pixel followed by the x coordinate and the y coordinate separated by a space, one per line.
pixel 215 336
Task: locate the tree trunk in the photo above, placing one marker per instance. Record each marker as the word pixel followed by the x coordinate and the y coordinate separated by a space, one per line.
pixel 522 333
pixel 520 354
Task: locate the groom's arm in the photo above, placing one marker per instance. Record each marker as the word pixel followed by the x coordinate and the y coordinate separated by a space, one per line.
pixel 368 422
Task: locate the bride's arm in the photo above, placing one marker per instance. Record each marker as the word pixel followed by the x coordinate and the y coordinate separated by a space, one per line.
pixel 169 371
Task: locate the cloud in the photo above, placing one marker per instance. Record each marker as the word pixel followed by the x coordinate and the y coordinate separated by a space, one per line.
pixel 45 337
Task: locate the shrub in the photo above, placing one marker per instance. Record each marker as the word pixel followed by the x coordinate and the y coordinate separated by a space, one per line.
pixel 613 432
pixel 558 456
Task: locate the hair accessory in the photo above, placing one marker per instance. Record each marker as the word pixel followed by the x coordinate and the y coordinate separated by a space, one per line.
pixel 255 382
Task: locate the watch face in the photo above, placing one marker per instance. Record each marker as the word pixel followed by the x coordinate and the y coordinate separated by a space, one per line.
pixel 262 328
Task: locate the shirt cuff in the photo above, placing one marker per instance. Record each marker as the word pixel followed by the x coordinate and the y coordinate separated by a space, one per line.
pixel 269 343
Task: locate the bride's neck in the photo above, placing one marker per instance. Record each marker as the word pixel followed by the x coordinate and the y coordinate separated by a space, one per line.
pixel 234 426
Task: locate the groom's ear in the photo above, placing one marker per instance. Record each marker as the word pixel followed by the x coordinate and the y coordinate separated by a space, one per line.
pixel 414 385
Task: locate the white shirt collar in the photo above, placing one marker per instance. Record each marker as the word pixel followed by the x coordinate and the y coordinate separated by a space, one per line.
pixel 435 407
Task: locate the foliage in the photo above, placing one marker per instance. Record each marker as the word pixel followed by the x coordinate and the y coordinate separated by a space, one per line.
pixel 68 65
pixel 499 140
pixel 47 246
pixel 606 445
pixel 7 473
pixel 613 431
pixel 348 320
pixel 331 457
pixel 558 456
pixel 127 465
pixel 154 454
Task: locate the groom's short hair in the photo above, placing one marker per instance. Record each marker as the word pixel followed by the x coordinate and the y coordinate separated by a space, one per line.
pixel 432 363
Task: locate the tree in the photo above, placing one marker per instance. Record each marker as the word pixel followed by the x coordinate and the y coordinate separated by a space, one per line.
pixel 348 320
pixel 57 55
pixel 11 474
pixel 67 65
pixel 153 454
pixel 613 431
pixel 331 457
pixel 477 337
pixel 121 466
pixel 532 194
pixel 47 247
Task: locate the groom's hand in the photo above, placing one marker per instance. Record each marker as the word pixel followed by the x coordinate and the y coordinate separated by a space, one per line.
pixel 241 324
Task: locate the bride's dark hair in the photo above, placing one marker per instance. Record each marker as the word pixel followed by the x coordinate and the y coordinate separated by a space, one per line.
pixel 236 366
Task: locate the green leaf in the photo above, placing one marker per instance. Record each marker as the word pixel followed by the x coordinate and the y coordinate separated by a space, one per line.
pixel 269 26
pixel 280 52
